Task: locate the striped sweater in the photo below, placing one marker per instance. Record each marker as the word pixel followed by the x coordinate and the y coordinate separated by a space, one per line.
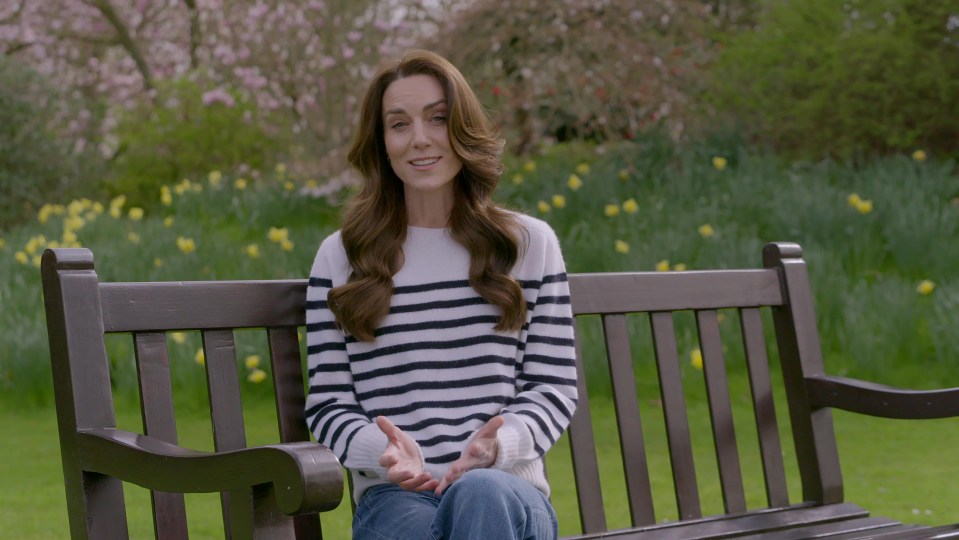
pixel 437 368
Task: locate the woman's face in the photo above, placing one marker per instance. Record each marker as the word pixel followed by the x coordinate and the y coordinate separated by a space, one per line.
pixel 416 136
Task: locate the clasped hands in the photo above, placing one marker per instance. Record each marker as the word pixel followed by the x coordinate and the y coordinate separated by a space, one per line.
pixel 404 466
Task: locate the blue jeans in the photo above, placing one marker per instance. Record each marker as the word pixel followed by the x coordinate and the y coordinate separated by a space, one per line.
pixel 483 504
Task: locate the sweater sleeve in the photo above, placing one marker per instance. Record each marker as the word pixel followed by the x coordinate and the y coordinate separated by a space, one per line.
pixel 546 376
pixel 333 413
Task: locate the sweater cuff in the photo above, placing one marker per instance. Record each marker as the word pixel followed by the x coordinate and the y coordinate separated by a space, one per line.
pixel 514 441
pixel 365 451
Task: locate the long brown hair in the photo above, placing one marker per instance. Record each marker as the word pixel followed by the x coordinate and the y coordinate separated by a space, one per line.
pixel 375 220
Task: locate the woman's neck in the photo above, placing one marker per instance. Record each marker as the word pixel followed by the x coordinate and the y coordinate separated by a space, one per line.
pixel 431 209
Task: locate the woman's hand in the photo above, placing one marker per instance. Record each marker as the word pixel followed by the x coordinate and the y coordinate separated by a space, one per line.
pixel 404 466
pixel 480 453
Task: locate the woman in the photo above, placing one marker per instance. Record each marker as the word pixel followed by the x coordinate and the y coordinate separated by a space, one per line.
pixel 439 331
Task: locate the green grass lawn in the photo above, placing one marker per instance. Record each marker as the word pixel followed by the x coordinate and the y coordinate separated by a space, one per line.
pixel 900 469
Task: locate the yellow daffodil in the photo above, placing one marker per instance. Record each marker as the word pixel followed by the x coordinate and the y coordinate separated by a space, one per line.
pixel 21 257
pixel 696 358
pixel 158 262
pixel 252 251
pixel 662 266
pixel 719 163
pixel 919 155
pixel 75 208
pixel 186 245
pixel 135 213
pixel 69 236
pixel 853 199
pixel 178 337
pixel 115 212
pixel 183 186
pixel 133 237
pixel 864 206
pixel 706 230
pixel 35 244
pixel 90 216
pixel 73 223
pixel 623 175
pixel 312 184
pixel 118 201
pixel 574 182
pixel 256 376
pixel 281 169
pixel 621 247
pixel 543 207
pixel 240 183
pixel 529 166
pixel 44 214
pixel 286 245
pixel 517 179
pixel 97 208
pixel 631 206
pixel 611 210
pixel 289 186
pixel 168 222
pixel 582 168
pixel 925 287
pixel 35 261
pixel 252 361
pixel 278 234
pixel 3 243
pixel 679 267
pixel 215 177
pixel 559 201
pixel 199 357
pixel 166 196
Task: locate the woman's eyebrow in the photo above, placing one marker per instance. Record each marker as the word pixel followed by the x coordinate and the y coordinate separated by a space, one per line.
pixel 428 106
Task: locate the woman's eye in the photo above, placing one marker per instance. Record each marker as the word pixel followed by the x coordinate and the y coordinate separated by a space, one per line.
pixel 398 125
pixel 439 118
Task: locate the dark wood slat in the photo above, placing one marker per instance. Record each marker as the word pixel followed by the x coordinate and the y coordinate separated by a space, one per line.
pixel 226 411
pixel 674 410
pixel 764 407
pixel 721 412
pixel 768 522
pixel 156 408
pixel 582 446
pixel 864 527
pixel 671 291
pixel 199 305
pixel 287 369
pixel 628 418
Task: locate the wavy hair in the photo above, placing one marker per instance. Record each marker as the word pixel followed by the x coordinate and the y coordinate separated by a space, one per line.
pixel 375 220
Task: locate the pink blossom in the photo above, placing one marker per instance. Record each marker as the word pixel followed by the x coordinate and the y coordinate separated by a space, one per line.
pixel 348 53
pixel 354 36
pixel 218 95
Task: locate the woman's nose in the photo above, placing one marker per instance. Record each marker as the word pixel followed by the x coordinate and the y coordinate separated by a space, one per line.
pixel 420 138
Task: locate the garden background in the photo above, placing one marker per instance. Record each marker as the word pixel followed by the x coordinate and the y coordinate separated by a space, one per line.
pixel 205 139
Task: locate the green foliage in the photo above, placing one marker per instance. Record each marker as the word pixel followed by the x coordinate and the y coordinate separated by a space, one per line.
pixel 37 160
pixel 820 77
pixel 179 136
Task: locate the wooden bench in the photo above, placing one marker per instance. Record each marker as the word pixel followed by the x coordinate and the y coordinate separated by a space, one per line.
pixel 263 486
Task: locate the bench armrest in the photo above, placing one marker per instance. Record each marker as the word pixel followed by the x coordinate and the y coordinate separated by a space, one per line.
pixel 880 400
pixel 306 476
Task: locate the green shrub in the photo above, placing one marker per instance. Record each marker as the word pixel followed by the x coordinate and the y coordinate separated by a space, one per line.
pixel 821 77
pixel 37 159
pixel 178 136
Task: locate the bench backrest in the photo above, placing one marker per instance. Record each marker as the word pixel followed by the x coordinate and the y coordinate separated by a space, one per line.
pixel 81 310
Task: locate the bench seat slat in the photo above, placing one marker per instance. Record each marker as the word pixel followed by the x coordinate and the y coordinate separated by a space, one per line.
pixel 851 528
pixel 674 411
pixel 156 408
pixel 669 291
pixel 764 407
pixel 628 417
pixel 721 412
pixel 737 525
